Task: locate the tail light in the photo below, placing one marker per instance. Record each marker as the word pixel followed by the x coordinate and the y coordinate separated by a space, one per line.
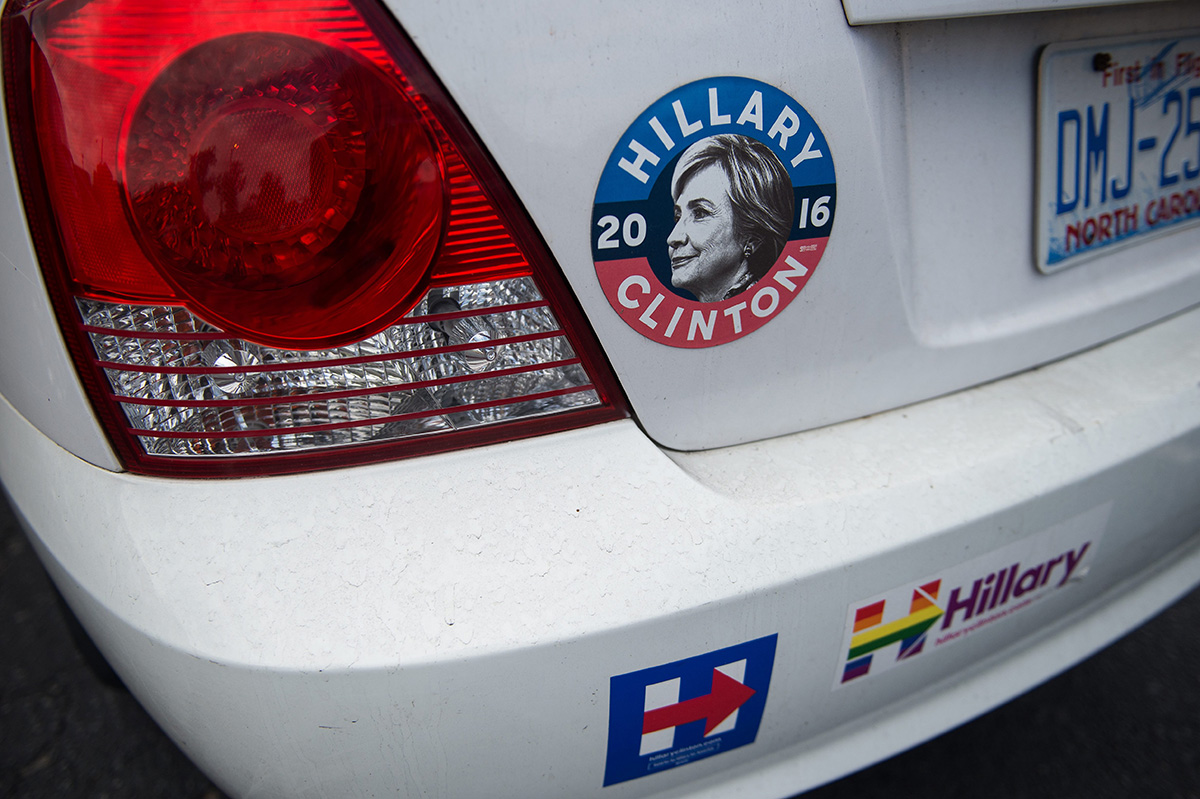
pixel 274 245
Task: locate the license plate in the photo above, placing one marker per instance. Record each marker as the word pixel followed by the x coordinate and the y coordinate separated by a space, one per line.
pixel 1118 144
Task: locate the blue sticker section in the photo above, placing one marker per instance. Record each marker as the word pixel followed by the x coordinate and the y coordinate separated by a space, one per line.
pixel 669 715
pixel 702 109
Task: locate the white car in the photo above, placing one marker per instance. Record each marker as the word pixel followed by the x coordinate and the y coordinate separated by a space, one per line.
pixel 598 400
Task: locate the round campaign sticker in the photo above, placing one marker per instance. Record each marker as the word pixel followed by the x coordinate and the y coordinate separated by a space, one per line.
pixel 712 212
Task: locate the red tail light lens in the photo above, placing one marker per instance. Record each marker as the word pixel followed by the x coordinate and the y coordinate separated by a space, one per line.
pixel 289 189
pixel 267 231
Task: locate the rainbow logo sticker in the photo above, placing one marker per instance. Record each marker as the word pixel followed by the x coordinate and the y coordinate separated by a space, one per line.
pixel 871 634
pixel 913 622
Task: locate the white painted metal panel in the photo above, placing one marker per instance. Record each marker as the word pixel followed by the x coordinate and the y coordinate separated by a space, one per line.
pixel 36 372
pixel 450 624
pixel 928 282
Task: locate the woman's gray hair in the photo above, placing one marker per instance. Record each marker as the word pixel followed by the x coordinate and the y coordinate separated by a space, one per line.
pixel 760 192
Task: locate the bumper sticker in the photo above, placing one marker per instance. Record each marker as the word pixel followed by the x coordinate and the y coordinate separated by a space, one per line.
pixel 690 709
pixel 712 212
pixel 894 627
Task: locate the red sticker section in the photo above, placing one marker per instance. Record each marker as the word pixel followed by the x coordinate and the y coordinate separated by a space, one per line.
pixel 659 314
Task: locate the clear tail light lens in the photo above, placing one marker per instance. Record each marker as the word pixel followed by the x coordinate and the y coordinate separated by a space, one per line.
pixel 274 245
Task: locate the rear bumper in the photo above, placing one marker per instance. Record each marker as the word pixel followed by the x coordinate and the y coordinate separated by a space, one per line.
pixel 450 625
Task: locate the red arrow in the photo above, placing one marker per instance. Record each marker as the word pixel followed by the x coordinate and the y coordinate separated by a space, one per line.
pixel 727 696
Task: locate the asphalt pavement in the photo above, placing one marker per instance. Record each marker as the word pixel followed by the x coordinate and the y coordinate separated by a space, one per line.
pixel 1125 723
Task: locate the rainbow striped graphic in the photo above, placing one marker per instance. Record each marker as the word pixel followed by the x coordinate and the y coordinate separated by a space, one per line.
pixel 871 634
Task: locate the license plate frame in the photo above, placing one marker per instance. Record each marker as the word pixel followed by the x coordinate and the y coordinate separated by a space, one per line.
pixel 1118 145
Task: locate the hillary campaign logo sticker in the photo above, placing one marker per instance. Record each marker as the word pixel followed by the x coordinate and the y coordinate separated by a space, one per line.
pixel 895 627
pixel 712 212
pixel 687 710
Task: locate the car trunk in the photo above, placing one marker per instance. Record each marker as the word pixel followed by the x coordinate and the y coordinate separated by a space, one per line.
pixel 929 282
